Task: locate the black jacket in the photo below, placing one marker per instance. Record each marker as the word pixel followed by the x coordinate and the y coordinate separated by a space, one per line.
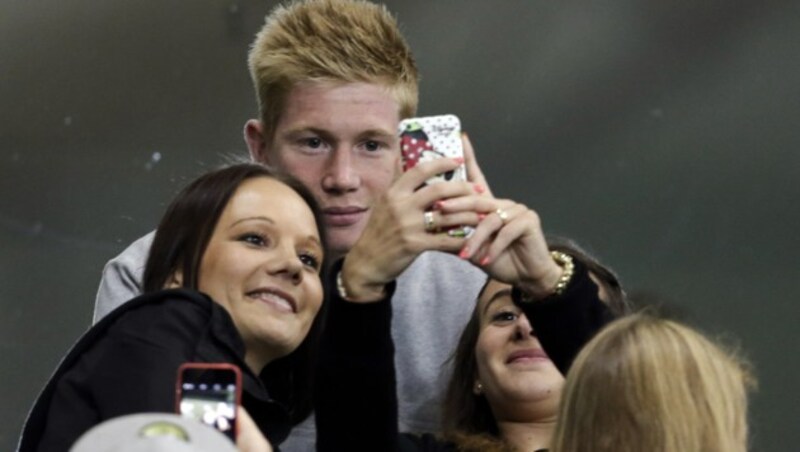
pixel 127 363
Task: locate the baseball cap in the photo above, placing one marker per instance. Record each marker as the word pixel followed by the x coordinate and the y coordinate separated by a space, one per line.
pixel 152 432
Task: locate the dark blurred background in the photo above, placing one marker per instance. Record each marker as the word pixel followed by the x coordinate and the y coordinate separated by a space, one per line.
pixel 661 135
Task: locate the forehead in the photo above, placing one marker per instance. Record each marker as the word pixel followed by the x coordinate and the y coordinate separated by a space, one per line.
pixel 340 107
pixel 497 293
pixel 268 197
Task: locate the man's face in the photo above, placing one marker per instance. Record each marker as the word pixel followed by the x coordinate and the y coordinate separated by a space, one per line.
pixel 341 141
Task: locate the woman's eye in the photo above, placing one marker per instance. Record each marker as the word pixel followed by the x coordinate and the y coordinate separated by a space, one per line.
pixel 310 260
pixel 504 317
pixel 254 239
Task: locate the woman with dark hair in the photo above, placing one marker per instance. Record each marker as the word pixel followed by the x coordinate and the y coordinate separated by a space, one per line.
pixel 504 390
pixel 234 276
pixel 477 391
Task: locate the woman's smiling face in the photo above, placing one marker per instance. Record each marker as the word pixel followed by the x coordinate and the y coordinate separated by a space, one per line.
pixel 262 264
pixel 516 376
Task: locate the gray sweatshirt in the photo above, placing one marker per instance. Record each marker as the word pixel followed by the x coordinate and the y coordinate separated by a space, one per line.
pixel 433 301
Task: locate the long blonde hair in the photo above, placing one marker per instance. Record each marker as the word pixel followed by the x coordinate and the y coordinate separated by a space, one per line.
pixel 650 384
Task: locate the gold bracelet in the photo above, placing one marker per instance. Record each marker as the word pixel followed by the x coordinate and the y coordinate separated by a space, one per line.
pixel 565 262
pixel 340 287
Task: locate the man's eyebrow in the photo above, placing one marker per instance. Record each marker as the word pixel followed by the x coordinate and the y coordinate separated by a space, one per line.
pixel 377 133
pixel 500 293
pixel 301 129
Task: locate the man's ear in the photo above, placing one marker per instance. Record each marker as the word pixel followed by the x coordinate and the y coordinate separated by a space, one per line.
pixel 175 280
pixel 256 143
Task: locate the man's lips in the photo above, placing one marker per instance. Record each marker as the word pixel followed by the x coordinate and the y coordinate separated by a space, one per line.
pixel 276 298
pixel 343 216
pixel 527 355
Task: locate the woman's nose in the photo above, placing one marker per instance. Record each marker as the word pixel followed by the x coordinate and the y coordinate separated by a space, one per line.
pixel 285 263
pixel 523 327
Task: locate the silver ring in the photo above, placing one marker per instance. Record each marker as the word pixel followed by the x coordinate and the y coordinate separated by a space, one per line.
pixel 430 224
pixel 502 214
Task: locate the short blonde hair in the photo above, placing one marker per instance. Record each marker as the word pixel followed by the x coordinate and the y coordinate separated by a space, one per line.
pixel 645 383
pixel 330 41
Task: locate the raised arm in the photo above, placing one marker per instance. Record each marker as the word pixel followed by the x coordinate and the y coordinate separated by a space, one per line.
pixel 555 291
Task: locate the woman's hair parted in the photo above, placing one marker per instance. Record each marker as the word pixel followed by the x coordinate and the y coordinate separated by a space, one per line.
pixel 646 383
pixel 181 240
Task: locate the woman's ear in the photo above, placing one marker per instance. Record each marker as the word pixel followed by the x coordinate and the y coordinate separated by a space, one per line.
pixel 477 388
pixel 175 280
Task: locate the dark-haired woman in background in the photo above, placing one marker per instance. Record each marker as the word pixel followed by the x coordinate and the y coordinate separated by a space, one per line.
pixel 233 276
pixel 505 390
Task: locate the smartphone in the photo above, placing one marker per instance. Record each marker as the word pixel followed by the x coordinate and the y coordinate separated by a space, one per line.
pixel 431 137
pixel 210 393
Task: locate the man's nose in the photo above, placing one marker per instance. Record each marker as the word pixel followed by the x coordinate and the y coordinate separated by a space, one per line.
pixel 341 174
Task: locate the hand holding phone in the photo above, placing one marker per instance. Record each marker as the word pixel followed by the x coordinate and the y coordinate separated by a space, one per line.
pixel 428 138
pixel 210 393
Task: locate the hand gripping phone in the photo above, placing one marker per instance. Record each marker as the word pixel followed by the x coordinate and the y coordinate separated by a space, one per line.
pixel 211 394
pixel 431 137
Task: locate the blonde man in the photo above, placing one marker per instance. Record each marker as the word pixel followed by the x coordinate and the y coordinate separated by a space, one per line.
pixel 333 79
pixel 651 384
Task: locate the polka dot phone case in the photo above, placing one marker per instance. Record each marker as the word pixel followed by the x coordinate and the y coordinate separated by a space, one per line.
pixel 431 137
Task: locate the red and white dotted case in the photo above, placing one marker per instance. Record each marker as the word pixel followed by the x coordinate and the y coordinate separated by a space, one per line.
pixel 431 137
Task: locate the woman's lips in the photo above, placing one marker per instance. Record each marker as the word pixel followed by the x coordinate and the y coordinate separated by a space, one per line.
pixel 276 298
pixel 527 355
pixel 343 216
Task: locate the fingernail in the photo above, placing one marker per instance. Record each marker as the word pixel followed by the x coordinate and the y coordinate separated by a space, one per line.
pixel 438 205
pixel 479 188
pixel 459 160
pixel 485 260
pixel 464 253
pixel 481 216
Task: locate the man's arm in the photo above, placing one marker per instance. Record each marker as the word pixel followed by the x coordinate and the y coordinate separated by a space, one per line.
pixel 122 277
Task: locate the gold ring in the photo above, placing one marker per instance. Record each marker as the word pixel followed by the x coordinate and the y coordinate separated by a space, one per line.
pixel 502 214
pixel 430 224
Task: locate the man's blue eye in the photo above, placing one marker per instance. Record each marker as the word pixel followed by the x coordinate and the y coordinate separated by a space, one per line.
pixel 372 146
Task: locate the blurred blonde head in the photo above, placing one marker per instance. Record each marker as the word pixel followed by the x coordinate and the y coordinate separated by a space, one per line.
pixel 340 41
pixel 645 383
